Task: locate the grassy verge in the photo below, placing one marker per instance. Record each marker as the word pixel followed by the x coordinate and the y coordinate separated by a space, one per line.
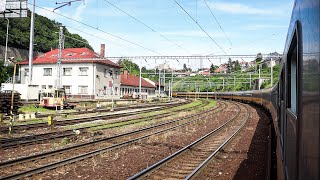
pixel 33 109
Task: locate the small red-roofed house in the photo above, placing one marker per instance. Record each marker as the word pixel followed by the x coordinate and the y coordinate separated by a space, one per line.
pixel 84 73
pixel 130 86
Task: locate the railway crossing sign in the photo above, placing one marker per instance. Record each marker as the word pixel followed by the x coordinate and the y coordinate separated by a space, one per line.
pixel 13 8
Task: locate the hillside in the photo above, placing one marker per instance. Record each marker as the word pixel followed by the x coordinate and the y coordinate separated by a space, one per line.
pixel 45 36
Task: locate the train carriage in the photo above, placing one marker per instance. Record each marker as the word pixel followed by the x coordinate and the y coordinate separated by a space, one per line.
pixel 294 103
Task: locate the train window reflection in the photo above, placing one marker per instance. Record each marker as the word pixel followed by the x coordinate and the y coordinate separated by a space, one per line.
pixel 292 77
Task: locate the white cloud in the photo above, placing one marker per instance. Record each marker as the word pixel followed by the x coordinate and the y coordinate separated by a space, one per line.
pixel 237 8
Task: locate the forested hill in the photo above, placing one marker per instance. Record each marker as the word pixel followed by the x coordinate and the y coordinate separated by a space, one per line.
pixel 45 37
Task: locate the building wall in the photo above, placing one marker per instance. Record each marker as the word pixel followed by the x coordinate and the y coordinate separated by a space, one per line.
pixel 134 91
pixel 103 82
pixel 87 85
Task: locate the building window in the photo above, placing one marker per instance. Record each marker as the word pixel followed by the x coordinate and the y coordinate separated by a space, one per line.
pixel 67 89
pixel 43 86
pixel 83 71
pixel 83 89
pixel 106 72
pixel 67 71
pixel 26 72
pixel 47 71
pixel 50 87
pixel 117 74
pixel 116 90
pixel 111 73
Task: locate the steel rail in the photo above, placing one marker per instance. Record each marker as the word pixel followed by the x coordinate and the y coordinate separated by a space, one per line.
pixel 99 151
pixel 45 154
pixel 204 163
pixel 177 153
pixel 83 119
pixel 9 143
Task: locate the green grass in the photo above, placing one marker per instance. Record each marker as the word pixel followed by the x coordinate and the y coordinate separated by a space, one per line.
pixel 138 122
pixel 32 109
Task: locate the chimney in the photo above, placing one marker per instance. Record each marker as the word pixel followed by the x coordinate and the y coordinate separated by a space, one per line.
pixel 125 72
pixel 102 50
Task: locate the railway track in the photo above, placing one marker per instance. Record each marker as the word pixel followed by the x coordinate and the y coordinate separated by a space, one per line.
pixel 187 162
pixel 4 129
pixel 14 142
pixel 39 163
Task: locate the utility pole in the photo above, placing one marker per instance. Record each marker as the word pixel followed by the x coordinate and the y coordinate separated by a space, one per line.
pixel 271 73
pixel 58 82
pixel 159 82
pixel 140 97
pixel 259 78
pixel 223 83
pixel 250 80
pixel 31 41
pixel 6 51
pixel 171 83
pixel 164 79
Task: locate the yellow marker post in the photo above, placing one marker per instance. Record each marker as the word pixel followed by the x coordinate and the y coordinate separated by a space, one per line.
pixel 50 120
pixel 1 120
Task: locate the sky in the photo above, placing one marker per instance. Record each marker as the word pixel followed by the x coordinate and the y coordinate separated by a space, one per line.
pixel 162 27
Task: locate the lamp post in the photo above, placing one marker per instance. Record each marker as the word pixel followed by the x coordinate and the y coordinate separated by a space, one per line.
pixel 6 51
pixel 12 117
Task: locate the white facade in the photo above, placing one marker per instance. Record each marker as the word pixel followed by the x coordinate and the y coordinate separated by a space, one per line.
pixel 81 80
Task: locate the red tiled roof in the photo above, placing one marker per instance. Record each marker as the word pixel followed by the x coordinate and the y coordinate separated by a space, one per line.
pixel 131 80
pixel 70 56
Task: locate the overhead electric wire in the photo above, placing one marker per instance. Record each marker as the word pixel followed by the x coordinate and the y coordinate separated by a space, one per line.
pixel 217 21
pixel 99 38
pixel 136 44
pixel 144 24
pixel 200 27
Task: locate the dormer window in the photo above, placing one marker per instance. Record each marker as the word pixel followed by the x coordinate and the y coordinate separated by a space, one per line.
pixel 70 54
pixel 83 53
pixel 54 55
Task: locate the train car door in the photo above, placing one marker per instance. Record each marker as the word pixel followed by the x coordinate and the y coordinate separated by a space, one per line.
pixel 292 110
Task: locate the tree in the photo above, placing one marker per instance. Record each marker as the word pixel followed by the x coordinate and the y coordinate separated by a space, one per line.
pixel 185 68
pixel 237 66
pixel 213 67
pixel 258 58
pixel 45 34
pixel 5 71
pixel 132 67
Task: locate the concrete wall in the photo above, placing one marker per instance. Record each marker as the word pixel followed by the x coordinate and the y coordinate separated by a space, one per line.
pixel 16 52
pixel 27 92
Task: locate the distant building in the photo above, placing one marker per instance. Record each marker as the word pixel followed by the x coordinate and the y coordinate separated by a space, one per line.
pixel 222 69
pixel 130 86
pixel 205 72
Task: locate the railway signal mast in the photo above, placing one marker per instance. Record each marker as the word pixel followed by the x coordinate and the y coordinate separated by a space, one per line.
pixel 58 82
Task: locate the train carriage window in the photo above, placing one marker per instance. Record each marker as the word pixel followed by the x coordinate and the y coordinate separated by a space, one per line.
pixel 292 77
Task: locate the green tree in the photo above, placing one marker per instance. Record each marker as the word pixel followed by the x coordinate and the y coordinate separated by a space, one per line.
pixel 5 71
pixel 213 67
pixel 132 67
pixel 45 34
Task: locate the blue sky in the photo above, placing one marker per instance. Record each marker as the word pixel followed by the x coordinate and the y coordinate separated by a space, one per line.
pixel 252 26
